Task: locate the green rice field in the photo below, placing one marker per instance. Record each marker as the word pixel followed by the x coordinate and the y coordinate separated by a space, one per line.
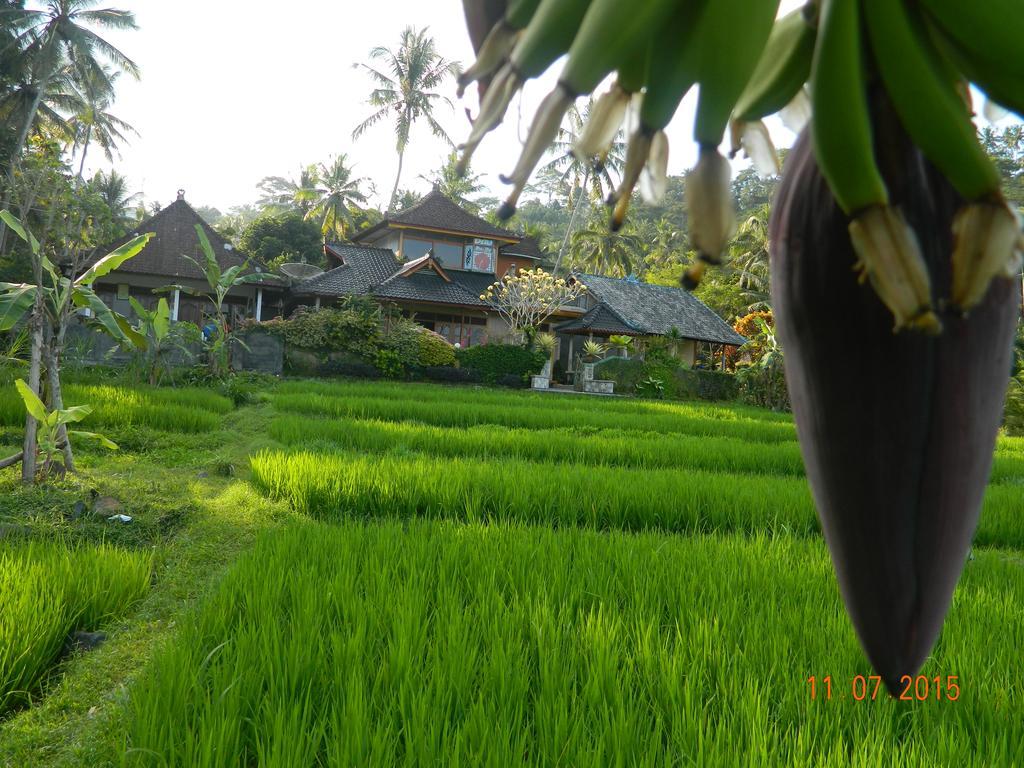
pixel 47 591
pixel 472 576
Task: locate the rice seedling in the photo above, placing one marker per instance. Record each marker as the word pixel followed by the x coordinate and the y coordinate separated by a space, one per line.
pixel 169 410
pixel 48 590
pixel 434 644
pixel 480 395
pixel 336 485
pixel 607 448
pixel 529 416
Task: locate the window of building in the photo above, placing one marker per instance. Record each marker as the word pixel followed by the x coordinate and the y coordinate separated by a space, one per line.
pixel 448 253
pixel 479 256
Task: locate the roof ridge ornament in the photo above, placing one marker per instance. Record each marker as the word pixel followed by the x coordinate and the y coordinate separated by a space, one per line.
pixel 181 194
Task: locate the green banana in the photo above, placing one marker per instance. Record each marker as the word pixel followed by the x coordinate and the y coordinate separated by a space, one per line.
pixel 499 42
pixel 999 83
pixel 928 104
pixel 841 127
pixel 784 67
pixel 613 32
pixel 671 72
pixel 887 249
pixel 731 37
pixel 989 31
pixel 673 65
pixel 548 35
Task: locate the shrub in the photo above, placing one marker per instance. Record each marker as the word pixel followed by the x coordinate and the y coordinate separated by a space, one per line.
pixel 677 382
pixel 449 373
pixel 435 351
pixel 341 364
pixel 1013 417
pixel 494 362
pixel 403 339
pixel 705 385
pixel 389 363
pixel 354 327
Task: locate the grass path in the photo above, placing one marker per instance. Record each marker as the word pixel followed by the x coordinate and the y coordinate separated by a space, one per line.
pixel 77 721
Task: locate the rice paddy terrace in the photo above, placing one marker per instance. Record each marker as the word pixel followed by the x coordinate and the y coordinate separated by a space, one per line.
pixel 424 575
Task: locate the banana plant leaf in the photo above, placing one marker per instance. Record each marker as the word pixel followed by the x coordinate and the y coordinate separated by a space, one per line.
pixel 32 402
pixel 12 221
pixel 113 260
pixel 111 322
pixel 16 299
pixel 104 441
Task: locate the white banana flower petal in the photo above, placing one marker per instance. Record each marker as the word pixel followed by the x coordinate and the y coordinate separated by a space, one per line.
pixel 994 111
pixel 654 178
pixel 709 197
pixel 986 238
pixel 603 124
pixel 797 113
pixel 759 148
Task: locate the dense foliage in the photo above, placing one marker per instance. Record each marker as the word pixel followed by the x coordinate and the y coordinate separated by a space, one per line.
pixel 508 364
pixel 677 381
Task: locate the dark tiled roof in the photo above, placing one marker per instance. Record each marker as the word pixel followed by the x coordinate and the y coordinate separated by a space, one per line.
pixel 527 247
pixel 428 286
pixel 175 236
pixel 435 211
pixel 362 268
pixel 598 320
pixel 657 309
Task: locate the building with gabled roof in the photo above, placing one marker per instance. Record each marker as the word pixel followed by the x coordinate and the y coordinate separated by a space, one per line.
pixel 163 263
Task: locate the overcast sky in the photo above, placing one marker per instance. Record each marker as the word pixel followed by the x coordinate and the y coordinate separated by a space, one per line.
pixel 232 91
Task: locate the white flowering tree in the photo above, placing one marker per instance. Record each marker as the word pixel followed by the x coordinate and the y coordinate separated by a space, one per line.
pixel 529 297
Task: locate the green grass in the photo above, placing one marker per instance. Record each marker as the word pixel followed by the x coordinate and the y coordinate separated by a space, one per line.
pixel 332 486
pixel 336 485
pixel 530 415
pixel 477 395
pixel 442 644
pixel 605 448
pixel 171 410
pixel 48 590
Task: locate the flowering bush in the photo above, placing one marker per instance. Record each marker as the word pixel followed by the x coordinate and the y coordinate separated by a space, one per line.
pixel 435 351
pixel 529 297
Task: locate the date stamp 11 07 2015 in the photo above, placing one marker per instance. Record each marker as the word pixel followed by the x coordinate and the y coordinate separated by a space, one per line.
pixel 870 687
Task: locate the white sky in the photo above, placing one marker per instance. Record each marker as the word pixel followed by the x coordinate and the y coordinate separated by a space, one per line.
pixel 233 91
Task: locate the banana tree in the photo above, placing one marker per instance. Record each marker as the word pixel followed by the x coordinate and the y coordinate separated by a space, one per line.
pixel 155 326
pixel 53 433
pixel 221 282
pixel 47 305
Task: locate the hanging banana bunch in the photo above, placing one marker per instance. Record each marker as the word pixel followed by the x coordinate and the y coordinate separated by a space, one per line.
pixel 890 217
pixel 749 66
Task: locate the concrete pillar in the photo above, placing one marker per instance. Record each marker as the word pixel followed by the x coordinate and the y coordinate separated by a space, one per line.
pixel 174 309
pixel 259 304
pixel 317 305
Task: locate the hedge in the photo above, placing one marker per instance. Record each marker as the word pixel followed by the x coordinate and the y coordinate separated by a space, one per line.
pixel 506 364
pixel 680 383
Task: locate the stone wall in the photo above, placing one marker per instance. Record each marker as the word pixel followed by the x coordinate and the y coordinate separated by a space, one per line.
pixel 259 351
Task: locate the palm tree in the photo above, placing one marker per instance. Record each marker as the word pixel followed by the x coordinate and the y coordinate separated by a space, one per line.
pixel 61 32
pixel 749 257
pixel 112 188
pixel 91 122
pixel 281 194
pixel 338 196
pixel 573 173
pixel 598 250
pixel 405 90
pixel 458 187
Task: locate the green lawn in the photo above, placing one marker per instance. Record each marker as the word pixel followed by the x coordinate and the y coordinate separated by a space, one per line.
pixel 361 573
